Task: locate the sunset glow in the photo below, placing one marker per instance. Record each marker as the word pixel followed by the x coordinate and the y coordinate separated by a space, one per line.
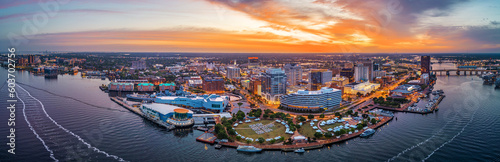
pixel 345 26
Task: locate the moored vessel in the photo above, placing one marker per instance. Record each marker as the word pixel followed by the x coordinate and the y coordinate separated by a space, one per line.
pixel 367 133
pixel 248 149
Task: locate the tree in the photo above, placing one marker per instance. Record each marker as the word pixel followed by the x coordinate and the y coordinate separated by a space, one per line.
pixel 322 116
pixel 360 126
pixel 318 135
pixel 373 121
pixel 231 132
pixel 239 105
pixel 261 140
pixel 342 131
pixel 301 118
pixel 272 141
pixel 248 141
pixel 218 128
pixel 240 115
pixel 222 135
pixel 338 114
pixel 265 115
pixel 310 116
pixel 328 135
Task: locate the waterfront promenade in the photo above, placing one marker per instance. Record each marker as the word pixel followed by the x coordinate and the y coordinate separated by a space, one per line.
pixel 312 145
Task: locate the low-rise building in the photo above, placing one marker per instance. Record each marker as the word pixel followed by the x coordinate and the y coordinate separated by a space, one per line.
pixel 170 114
pixel 195 81
pixel 340 81
pixel 362 88
pixel 210 102
pixel 167 86
pixel 213 85
pixel 117 86
pixel 145 87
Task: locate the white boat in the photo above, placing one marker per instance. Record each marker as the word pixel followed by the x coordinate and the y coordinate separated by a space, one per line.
pixel 300 150
pixel 248 149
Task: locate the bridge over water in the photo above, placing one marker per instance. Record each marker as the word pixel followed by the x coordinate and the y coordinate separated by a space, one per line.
pixel 463 71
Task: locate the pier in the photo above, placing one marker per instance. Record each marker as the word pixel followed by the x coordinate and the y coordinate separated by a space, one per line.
pixel 137 111
pixel 405 107
pixel 207 137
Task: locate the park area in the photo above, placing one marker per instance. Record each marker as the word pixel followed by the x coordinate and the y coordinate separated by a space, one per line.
pixel 263 128
pixel 308 131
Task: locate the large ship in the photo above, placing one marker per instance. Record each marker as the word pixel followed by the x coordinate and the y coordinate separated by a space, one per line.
pixel 248 149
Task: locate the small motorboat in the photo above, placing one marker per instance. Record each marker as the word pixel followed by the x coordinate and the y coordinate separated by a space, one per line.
pixel 300 150
pixel 218 146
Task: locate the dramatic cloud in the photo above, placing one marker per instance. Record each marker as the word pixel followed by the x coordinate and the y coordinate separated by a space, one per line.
pixel 351 26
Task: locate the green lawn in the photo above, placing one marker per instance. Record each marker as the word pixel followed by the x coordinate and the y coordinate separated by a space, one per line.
pixel 306 129
pixel 247 125
pixel 278 130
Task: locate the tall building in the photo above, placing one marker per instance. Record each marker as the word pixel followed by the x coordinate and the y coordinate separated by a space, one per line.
pixel 425 64
pixel 255 86
pixel 312 100
pixel 273 85
pixel 369 64
pixel 361 73
pixel 293 73
pixel 376 67
pixel 320 77
pixel 233 72
pixel 347 72
pixel 31 59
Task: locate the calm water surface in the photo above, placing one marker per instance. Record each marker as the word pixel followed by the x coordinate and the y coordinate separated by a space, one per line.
pixel 466 128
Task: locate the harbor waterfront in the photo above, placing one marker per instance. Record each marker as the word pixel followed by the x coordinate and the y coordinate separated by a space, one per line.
pixel 468 118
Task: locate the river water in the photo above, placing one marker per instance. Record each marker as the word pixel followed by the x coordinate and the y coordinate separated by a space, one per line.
pixel 81 123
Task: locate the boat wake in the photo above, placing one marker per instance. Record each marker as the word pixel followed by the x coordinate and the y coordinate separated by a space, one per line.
pixel 452 137
pixel 48 130
pixel 421 143
pixel 107 108
pixel 34 132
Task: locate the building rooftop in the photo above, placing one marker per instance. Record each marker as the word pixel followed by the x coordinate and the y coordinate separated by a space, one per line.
pixel 145 84
pixel 321 91
pixel 164 108
pixel 167 84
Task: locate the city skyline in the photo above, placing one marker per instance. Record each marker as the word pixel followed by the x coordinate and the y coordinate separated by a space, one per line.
pixel 243 26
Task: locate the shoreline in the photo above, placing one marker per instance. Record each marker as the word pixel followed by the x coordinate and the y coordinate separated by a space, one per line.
pixel 309 146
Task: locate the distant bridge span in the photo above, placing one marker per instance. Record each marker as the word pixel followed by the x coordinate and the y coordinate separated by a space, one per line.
pixel 459 71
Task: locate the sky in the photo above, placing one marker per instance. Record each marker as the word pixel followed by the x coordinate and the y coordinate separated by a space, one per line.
pixel 248 26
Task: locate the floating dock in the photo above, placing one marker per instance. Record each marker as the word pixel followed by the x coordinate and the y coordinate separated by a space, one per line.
pixel 207 138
